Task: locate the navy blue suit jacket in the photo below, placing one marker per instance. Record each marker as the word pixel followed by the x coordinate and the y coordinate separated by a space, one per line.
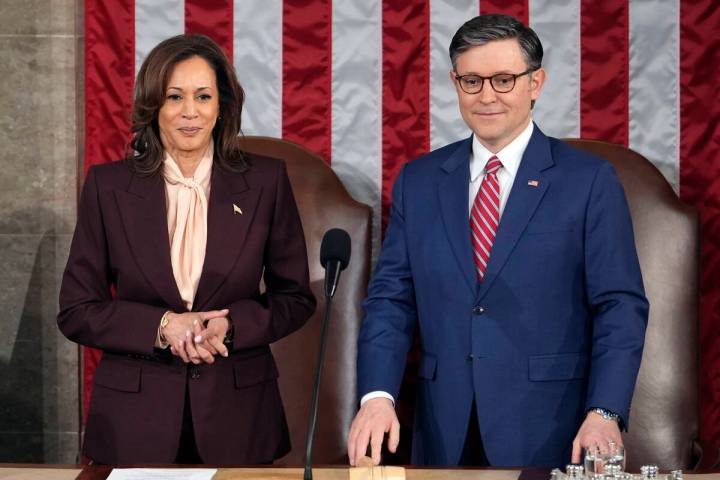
pixel 556 327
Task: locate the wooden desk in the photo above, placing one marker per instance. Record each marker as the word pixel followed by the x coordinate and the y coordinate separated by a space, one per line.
pixel 79 472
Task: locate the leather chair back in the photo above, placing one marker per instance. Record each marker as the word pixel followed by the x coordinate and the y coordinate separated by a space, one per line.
pixel 323 203
pixel 664 417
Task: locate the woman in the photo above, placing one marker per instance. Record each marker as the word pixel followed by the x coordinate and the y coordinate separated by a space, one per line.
pixel 184 230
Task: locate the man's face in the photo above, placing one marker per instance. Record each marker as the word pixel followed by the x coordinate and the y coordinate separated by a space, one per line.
pixel 497 118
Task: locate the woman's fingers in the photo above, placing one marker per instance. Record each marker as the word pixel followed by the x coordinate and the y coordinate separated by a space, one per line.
pixel 194 342
pixel 205 316
pixel 178 349
pixel 205 354
pixel 217 344
pixel 190 347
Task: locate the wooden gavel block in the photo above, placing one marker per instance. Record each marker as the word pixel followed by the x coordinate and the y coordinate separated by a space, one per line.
pixel 367 471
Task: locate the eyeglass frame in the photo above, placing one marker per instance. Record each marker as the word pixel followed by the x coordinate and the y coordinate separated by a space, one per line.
pixel 458 78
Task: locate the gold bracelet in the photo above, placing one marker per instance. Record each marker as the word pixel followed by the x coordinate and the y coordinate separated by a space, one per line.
pixel 163 323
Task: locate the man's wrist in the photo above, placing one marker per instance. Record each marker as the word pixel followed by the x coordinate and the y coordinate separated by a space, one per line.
pixel 605 414
pixel 376 394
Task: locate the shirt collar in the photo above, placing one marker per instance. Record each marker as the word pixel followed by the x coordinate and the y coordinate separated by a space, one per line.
pixel 510 156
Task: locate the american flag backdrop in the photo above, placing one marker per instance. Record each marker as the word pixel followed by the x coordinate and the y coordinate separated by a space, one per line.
pixel 364 83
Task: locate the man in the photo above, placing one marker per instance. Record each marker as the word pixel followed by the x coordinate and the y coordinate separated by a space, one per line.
pixel 515 254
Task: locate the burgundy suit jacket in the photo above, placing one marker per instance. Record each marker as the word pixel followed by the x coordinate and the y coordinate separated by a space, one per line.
pixel 121 241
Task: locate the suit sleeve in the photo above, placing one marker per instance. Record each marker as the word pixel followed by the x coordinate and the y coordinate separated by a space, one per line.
pixel 288 301
pixel 390 309
pixel 88 313
pixel 616 296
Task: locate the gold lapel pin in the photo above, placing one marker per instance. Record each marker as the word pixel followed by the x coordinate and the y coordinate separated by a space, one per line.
pixel 236 209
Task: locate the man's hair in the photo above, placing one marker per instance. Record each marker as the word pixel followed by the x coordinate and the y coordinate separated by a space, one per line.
pixel 491 27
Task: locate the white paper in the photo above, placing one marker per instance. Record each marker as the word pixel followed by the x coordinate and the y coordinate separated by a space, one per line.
pixel 162 474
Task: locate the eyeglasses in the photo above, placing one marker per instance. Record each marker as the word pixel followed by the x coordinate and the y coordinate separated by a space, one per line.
pixel 500 82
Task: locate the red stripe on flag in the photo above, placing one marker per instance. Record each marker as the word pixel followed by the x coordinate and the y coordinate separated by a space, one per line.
pixel 90 360
pixel 604 70
pixel 405 89
pixel 307 74
pixel 213 18
pixel 700 183
pixel 517 8
pixel 109 78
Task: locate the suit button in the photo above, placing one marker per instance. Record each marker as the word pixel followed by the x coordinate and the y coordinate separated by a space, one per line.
pixel 194 372
pixel 478 310
pixel 470 357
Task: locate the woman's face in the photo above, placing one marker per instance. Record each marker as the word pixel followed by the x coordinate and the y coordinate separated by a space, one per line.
pixel 190 110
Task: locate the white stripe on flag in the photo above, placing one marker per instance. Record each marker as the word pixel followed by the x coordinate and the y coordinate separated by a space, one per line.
pixel 155 21
pixel 257 52
pixel 654 123
pixel 446 16
pixel 356 102
pixel 557 23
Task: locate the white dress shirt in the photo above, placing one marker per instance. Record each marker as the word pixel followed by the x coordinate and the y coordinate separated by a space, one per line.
pixel 510 157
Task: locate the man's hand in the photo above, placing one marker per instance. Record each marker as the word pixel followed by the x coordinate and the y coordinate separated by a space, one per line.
pixel 595 431
pixel 375 418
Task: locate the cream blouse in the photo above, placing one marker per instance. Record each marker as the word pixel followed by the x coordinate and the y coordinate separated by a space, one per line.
pixel 187 210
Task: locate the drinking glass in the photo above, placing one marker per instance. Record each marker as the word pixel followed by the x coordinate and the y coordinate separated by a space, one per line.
pixel 595 459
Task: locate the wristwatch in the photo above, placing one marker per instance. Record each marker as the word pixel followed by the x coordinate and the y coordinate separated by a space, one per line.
pixel 161 334
pixel 606 414
pixel 164 320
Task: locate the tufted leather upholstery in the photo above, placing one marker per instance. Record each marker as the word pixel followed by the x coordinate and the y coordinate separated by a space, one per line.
pixel 323 203
pixel 664 418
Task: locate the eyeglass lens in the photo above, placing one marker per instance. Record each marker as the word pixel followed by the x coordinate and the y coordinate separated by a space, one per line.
pixel 501 83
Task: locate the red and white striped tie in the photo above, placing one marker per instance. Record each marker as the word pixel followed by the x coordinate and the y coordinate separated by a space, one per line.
pixel 485 216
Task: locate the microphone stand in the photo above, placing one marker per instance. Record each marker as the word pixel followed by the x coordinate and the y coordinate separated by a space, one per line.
pixel 329 292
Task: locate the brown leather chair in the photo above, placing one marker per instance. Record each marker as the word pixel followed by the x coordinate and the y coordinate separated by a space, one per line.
pixel 323 203
pixel 664 417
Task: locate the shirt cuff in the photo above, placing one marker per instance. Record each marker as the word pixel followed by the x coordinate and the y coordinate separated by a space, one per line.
pixel 376 394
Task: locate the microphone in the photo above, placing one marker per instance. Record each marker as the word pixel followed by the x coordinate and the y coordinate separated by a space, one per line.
pixel 334 257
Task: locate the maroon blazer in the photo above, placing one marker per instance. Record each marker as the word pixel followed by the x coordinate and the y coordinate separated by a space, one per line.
pixel 121 241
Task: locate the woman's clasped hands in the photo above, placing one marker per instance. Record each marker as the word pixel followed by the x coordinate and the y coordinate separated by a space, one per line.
pixel 197 336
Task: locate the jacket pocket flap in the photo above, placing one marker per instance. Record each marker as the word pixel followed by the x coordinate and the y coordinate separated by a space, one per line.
pixel 254 370
pixel 564 366
pixel 428 366
pixel 122 376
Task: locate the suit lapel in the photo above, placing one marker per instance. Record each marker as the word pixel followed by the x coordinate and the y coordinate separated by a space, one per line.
pixel 143 213
pixel 453 195
pixel 524 199
pixel 228 227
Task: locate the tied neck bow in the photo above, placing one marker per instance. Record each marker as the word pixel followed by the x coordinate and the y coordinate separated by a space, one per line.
pixel 187 207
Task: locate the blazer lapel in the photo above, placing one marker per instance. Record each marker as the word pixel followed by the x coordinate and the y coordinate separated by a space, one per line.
pixel 231 209
pixel 453 195
pixel 143 213
pixel 528 189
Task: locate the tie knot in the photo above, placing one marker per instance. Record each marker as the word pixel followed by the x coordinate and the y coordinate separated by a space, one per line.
pixel 493 165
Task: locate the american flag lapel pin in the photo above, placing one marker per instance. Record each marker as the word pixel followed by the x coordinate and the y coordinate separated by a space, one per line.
pixel 236 210
pixel 533 183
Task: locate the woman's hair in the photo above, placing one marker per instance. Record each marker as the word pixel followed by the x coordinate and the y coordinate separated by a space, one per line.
pixel 145 152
